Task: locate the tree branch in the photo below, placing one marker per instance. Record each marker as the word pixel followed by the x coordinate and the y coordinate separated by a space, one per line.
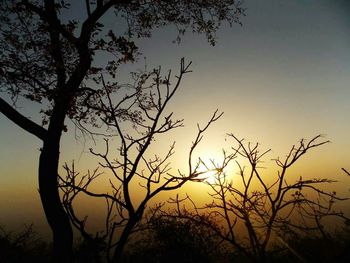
pixel 22 121
pixel 346 171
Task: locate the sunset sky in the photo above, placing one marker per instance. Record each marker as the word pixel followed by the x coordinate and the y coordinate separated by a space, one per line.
pixel 282 76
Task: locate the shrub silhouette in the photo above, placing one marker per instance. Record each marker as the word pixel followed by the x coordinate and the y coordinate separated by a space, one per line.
pixel 171 239
pixel 334 248
pixel 24 246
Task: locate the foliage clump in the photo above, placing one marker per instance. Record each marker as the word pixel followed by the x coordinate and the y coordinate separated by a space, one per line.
pixel 23 246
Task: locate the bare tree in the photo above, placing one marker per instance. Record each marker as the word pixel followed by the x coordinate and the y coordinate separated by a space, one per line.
pixel 47 58
pixel 137 118
pixel 253 206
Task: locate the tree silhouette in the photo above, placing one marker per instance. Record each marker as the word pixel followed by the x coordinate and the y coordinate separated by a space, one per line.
pixel 254 206
pixel 47 58
pixel 138 118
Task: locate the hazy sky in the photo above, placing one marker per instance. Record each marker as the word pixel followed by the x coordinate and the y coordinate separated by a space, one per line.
pixel 284 75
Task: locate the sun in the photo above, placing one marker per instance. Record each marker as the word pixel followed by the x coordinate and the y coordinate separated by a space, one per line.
pixel 211 176
pixel 210 170
pixel 215 163
pixel 215 166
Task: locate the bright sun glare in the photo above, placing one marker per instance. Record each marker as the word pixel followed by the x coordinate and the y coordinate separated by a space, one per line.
pixel 210 176
pixel 209 167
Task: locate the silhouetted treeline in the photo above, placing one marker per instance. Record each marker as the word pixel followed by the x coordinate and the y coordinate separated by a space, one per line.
pixel 170 239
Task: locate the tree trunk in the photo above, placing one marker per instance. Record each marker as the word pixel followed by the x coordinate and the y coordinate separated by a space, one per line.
pixel 123 240
pixel 49 194
pixel 48 186
pixel 48 165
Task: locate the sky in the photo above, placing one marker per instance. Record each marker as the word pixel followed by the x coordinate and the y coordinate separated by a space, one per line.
pixel 281 76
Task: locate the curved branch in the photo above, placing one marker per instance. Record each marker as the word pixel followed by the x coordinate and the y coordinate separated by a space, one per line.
pixel 22 121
